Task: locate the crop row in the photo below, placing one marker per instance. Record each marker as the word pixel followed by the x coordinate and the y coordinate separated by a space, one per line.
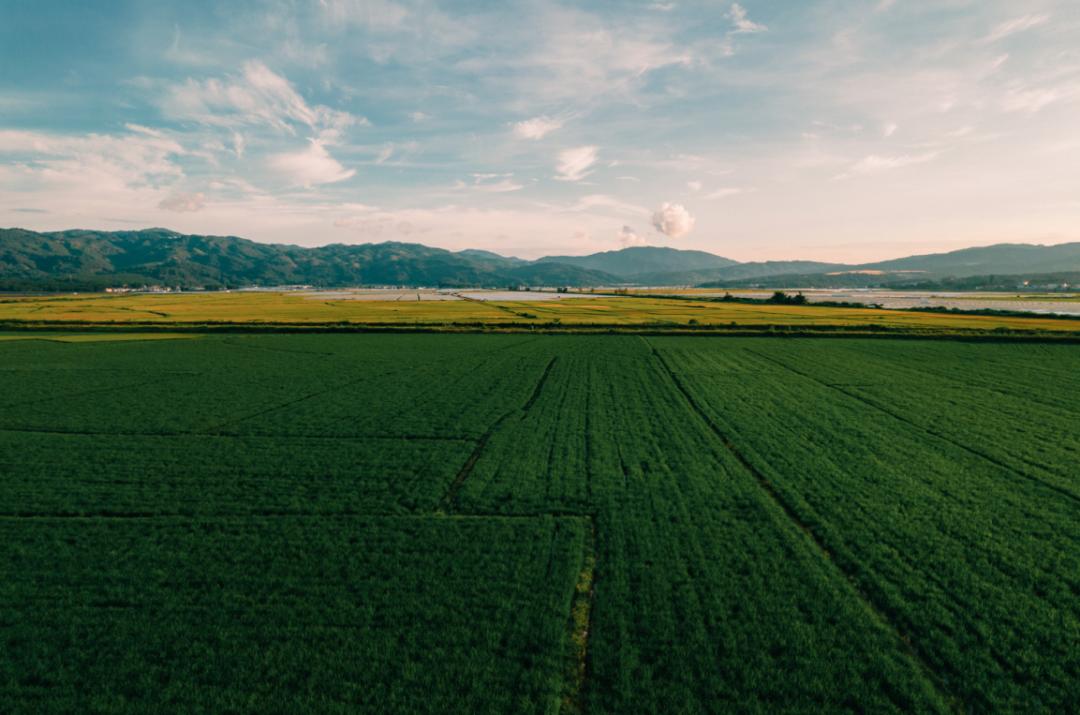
pixel 978 567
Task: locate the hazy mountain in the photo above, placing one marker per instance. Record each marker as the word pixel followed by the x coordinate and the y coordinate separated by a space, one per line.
pixel 985 260
pixel 1005 264
pixel 88 260
pixel 83 260
pixel 736 271
pixel 631 263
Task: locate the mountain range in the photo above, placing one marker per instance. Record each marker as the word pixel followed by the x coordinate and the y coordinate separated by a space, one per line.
pixel 93 260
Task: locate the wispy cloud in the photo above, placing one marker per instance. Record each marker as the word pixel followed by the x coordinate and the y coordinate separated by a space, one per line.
pixel 742 24
pixel 725 192
pixel 876 164
pixel 256 97
pixel 1016 25
pixel 575 164
pixel 537 127
pixel 491 183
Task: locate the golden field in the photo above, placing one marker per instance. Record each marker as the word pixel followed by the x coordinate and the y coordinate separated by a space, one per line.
pixel 297 308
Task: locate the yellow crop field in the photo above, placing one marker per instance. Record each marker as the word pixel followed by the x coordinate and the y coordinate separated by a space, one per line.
pixel 299 308
pixel 95 337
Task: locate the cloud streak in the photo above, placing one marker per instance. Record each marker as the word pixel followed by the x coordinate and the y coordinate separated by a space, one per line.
pixel 575 164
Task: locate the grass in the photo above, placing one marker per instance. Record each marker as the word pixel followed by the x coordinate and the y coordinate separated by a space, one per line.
pixel 662 524
pixel 298 309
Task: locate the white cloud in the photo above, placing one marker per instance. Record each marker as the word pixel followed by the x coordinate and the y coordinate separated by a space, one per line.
pixel 537 127
pixel 876 164
pixel 575 164
pixel 693 185
pixel 258 96
pixel 419 116
pixel 572 56
pixel 311 166
pixel 889 129
pixel 1012 27
pixel 628 237
pixel 181 202
pixel 673 220
pixel 143 157
pixel 743 24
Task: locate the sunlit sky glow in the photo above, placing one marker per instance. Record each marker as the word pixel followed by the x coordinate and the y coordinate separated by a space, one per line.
pixel 824 130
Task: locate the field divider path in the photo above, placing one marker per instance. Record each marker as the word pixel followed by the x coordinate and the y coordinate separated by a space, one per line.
pixel 579 626
pixel 904 641
pixel 496 306
pixel 449 500
pixel 925 430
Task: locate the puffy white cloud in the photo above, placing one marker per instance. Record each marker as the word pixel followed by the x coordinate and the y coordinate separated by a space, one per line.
pixel 628 237
pixel 1011 27
pixel 743 24
pixel 311 166
pixel 673 220
pixel 537 127
pixel 575 164
pixel 889 129
pixel 181 202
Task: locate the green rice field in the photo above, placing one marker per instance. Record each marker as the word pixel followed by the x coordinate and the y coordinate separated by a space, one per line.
pixel 410 523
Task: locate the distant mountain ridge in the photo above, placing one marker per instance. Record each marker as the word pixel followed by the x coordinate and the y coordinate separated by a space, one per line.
pixel 93 260
pixel 88 260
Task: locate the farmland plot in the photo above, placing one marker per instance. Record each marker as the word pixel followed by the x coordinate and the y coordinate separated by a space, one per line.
pixel 287 614
pixel 518 523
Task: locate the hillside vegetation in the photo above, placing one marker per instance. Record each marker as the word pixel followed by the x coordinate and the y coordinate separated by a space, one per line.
pixel 93 260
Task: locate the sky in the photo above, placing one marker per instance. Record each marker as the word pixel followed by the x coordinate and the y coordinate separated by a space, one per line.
pixel 814 129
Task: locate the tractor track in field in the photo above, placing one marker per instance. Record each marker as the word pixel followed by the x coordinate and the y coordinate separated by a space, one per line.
pixel 449 500
pixel 210 429
pixel 878 613
pixel 925 430
pixel 539 388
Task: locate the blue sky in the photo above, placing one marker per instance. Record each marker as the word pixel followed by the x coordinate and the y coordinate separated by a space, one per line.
pixel 757 130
